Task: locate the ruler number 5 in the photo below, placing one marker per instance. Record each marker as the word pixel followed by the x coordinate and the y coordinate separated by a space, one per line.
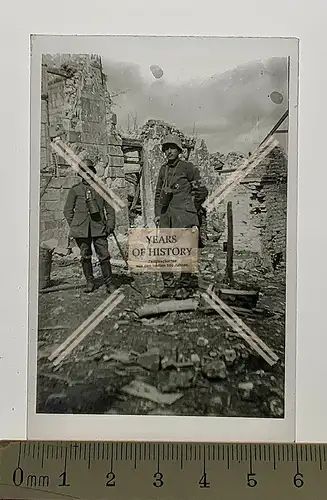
pixel 158 480
pixel 251 482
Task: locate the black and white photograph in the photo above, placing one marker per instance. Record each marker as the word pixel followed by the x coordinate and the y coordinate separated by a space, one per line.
pixel 187 145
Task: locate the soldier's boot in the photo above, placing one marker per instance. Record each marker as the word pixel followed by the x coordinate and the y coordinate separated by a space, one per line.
pixel 88 273
pixel 107 275
pixel 168 289
pixel 188 284
pixel 166 292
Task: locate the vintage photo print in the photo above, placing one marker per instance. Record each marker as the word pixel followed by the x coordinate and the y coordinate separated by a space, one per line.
pixel 163 238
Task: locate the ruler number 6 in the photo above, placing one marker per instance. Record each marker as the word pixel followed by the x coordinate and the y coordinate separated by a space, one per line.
pixel 298 480
pixel 251 482
pixel 111 479
pixel 158 480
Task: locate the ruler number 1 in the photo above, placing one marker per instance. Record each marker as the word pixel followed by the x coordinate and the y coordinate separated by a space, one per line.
pixel 63 478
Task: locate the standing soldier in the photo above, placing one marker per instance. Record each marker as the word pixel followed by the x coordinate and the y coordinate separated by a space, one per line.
pixel 91 220
pixel 178 201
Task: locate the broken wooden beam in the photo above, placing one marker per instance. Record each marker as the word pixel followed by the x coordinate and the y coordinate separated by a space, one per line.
pixel 241 298
pixel 60 72
pixel 146 391
pixel 230 245
pixel 59 288
pixel 167 306
pixel 50 328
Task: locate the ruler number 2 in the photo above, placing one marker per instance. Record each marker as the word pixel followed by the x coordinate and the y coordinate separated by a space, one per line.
pixel 111 479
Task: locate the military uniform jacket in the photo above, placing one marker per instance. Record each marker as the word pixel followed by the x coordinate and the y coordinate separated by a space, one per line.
pixel 80 221
pixel 188 194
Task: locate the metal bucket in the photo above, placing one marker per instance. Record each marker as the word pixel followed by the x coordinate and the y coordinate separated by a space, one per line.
pixel 45 263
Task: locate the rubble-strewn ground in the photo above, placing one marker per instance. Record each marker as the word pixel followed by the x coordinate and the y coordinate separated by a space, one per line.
pixel 195 355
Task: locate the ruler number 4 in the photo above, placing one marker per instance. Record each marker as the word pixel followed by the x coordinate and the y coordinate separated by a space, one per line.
pixel 204 483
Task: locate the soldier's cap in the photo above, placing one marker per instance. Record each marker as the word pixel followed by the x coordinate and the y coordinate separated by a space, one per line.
pixel 171 139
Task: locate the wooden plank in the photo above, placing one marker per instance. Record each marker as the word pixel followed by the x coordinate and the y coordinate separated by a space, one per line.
pixel 59 72
pixel 232 291
pixel 230 246
pixel 242 298
pixel 132 161
pixel 275 127
pixel 59 288
pixel 146 391
pixel 132 169
pixel 167 306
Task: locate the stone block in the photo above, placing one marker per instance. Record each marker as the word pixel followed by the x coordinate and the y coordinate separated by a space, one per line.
pixel 117 161
pixel 115 140
pixel 73 136
pixel 118 183
pixel 51 195
pixel 150 360
pixel 47 234
pixel 114 172
pixel 94 137
pixel 69 181
pixel 55 182
pixel 45 215
pixel 59 216
pixel 44 114
pixel 50 224
pixel 51 206
pixel 115 150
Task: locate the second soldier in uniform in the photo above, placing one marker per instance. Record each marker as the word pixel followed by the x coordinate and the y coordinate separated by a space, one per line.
pixel 91 220
pixel 178 201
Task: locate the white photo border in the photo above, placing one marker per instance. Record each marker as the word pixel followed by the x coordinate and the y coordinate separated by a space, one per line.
pixel 160 428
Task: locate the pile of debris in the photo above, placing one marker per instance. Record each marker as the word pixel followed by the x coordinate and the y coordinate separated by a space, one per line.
pixel 226 161
pixel 186 361
pixel 153 129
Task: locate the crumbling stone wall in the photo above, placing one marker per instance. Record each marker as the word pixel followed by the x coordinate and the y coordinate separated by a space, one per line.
pixel 260 208
pixel 76 107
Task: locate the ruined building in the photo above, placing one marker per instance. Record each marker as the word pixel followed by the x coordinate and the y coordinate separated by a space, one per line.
pixel 76 106
pixel 259 207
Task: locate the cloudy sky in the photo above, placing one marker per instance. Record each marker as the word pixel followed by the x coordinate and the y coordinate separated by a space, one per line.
pixel 219 88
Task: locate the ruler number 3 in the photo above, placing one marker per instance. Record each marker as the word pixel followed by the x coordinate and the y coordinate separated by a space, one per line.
pixel 158 480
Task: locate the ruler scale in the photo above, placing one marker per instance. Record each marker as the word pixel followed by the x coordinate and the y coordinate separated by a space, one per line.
pixel 162 471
